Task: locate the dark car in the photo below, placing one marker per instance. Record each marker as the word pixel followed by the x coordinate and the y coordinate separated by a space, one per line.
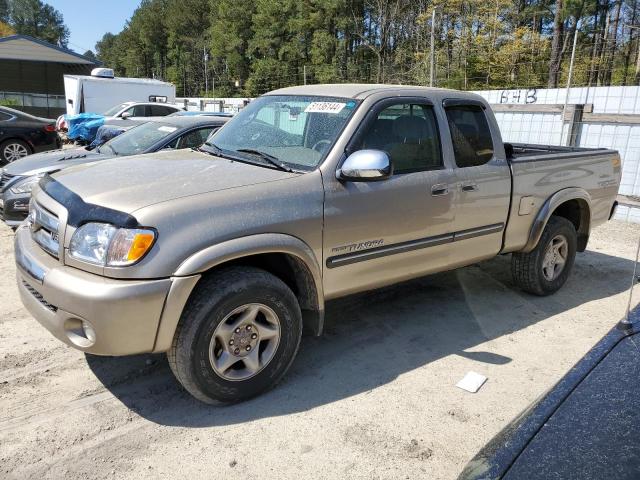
pixel 586 427
pixel 191 113
pixel 22 134
pixel 18 179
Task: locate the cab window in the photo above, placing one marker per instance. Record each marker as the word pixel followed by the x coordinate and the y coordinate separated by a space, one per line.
pixel 408 133
pixel 470 135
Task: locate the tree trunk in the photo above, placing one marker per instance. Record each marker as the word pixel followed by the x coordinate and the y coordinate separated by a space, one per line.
pixel 556 48
pixel 614 43
pixel 603 52
pixel 629 44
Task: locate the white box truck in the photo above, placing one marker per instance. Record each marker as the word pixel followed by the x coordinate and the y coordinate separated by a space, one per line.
pixel 101 91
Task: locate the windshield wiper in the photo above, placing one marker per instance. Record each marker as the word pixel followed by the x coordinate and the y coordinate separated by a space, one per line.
pixel 213 149
pixel 275 161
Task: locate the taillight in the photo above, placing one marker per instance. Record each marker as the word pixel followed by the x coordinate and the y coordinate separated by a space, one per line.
pixel 49 128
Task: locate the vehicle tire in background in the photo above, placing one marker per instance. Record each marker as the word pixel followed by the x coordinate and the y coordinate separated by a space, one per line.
pixel 237 336
pixel 546 268
pixel 12 150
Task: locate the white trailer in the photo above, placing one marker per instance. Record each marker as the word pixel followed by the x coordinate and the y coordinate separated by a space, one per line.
pixel 101 91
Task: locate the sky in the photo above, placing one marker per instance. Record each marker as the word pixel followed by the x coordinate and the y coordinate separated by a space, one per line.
pixel 89 20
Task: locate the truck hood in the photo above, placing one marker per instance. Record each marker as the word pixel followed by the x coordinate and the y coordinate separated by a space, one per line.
pixel 130 183
pixel 53 161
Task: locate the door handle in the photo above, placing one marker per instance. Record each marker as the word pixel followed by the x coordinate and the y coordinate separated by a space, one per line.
pixel 470 187
pixel 439 189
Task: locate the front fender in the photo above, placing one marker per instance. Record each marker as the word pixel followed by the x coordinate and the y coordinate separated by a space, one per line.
pixel 189 272
pixel 214 255
pixel 550 206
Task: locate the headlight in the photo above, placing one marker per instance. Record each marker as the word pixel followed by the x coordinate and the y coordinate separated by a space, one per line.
pixel 25 186
pixel 103 244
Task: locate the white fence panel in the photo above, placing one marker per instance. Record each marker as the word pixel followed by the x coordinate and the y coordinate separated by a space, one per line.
pixel 548 128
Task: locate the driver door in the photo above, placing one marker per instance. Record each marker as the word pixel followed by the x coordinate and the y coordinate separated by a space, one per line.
pixel 377 233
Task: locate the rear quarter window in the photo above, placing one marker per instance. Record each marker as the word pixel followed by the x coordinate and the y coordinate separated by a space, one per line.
pixel 470 135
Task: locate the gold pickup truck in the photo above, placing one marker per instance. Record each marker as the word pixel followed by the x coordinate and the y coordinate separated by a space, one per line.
pixel 223 255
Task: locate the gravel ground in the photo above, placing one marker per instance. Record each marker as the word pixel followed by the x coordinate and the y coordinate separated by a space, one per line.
pixel 374 398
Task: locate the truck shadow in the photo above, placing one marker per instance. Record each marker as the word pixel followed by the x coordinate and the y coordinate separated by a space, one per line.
pixel 370 339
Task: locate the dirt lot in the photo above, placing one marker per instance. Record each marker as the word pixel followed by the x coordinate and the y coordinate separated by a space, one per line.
pixel 374 398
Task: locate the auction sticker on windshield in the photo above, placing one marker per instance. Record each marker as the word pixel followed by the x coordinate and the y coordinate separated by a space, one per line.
pixel 324 107
pixel 167 129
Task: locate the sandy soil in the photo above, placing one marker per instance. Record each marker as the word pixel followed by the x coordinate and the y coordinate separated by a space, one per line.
pixel 372 399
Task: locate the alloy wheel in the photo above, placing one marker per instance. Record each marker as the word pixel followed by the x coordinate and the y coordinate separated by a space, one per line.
pixel 244 343
pixel 555 258
pixel 14 151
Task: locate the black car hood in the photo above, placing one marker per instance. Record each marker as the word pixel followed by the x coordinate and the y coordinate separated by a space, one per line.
pixel 54 160
pixel 595 433
pixel 586 427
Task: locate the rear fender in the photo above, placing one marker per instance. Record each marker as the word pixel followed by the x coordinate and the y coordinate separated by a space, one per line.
pixel 544 214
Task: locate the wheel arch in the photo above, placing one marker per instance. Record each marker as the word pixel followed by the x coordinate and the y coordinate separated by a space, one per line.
pixel 284 256
pixel 574 204
pixel 21 138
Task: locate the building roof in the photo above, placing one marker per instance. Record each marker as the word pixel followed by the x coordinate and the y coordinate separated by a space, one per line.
pixel 24 47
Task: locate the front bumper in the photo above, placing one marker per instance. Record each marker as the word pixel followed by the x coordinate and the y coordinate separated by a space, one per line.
pixel 122 316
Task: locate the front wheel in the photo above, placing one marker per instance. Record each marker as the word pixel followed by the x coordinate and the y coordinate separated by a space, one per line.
pixel 237 336
pixel 546 268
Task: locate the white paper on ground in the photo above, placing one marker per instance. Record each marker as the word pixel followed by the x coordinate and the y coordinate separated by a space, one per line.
pixel 471 382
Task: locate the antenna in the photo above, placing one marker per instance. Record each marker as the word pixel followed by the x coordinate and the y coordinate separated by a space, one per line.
pixel 626 321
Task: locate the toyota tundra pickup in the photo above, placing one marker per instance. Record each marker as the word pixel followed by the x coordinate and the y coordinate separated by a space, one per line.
pixel 222 256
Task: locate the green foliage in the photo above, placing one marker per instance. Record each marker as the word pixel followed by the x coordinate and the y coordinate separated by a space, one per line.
pixel 6 30
pixel 260 45
pixel 90 54
pixel 9 102
pixel 4 11
pixel 35 18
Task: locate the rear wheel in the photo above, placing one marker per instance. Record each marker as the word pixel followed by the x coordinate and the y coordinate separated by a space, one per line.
pixel 13 150
pixel 237 337
pixel 546 268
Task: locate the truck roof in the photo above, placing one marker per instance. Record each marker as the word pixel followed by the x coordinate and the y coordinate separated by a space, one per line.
pixel 363 90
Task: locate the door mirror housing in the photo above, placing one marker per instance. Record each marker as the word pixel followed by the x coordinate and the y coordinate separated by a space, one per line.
pixel 125 115
pixel 366 166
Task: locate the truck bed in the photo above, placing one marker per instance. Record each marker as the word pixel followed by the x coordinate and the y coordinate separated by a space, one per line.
pixel 539 171
pixel 531 152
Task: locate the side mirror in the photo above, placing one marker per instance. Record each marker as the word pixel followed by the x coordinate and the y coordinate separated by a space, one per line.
pixel 366 166
pixel 125 115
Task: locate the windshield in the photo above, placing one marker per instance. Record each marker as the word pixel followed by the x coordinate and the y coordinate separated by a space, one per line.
pixel 139 138
pixel 297 130
pixel 113 110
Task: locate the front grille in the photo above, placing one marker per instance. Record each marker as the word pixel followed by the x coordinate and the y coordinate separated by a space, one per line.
pixel 44 229
pixel 39 297
pixel 4 180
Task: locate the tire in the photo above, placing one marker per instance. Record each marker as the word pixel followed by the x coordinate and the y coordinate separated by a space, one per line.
pixel 13 149
pixel 529 270
pixel 200 344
